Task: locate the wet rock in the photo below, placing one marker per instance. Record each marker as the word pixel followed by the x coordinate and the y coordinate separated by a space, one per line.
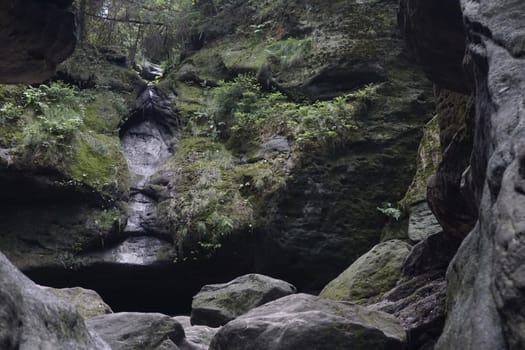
pixel 87 302
pixel 422 223
pixel 147 141
pixel 31 317
pixel 303 321
pixel 138 331
pixel 201 335
pixel 275 144
pixel 150 71
pixel 371 275
pixel 217 304
pixel 35 36
pixel 145 150
pixel 136 250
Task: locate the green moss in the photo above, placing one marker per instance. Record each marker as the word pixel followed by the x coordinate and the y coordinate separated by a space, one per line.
pixel 429 156
pixel 98 162
pixel 190 99
pixel 371 275
pixel 216 196
pixel 104 112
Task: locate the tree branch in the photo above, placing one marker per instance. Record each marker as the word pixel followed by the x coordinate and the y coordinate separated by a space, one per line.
pixel 125 20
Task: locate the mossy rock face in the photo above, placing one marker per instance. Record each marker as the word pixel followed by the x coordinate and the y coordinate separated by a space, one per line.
pixel 216 196
pixel 98 163
pixel 318 50
pixel 63 174
pixel 320 213
pixel 88 67
pixel 370 276
pixel 105 111
pixel 429 156
pixel 53 234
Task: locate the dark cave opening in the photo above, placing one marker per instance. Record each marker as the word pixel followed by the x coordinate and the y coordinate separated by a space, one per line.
pixel 166 288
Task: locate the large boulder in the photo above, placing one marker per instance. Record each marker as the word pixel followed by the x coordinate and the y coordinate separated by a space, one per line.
pixel 217 304
pixel 136 331
pixel 371 275
pixel 35 36
pixel 33 318
pixel 303 321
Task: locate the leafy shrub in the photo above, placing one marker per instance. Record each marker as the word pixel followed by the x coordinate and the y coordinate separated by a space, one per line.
pixel 10 111
pixel 390 211
pixel 290 51
pixel 57 93
pixel 241 111
pixel 208 205
pixel 58 115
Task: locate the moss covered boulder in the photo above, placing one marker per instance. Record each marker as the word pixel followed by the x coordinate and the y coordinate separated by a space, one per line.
pixel 371 275
pixel 217 304
pixel 87 302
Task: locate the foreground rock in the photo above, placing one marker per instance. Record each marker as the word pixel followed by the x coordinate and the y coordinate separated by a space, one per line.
pixel 136 331
pixel 371 275
pixel 217 304
pixel 35 36
pixel 33 318
pixel 303 321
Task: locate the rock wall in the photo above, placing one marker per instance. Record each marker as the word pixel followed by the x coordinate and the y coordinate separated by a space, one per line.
pixel 321 213
pixel 484 296
pixel 45 34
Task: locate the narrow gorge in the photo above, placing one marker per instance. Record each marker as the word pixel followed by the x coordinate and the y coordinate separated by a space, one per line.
pixel 261 175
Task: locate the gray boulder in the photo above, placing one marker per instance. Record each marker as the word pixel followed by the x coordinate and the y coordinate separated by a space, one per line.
pixel 33 318
pixel 139 331
pixel 371 275
pixel 422 223
pixel 217 304
pixel 304 321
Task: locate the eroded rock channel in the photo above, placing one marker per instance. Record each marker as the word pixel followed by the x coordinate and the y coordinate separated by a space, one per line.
pixel 147 138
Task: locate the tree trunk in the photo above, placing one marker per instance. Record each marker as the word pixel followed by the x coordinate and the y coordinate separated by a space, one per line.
pixel 82 22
